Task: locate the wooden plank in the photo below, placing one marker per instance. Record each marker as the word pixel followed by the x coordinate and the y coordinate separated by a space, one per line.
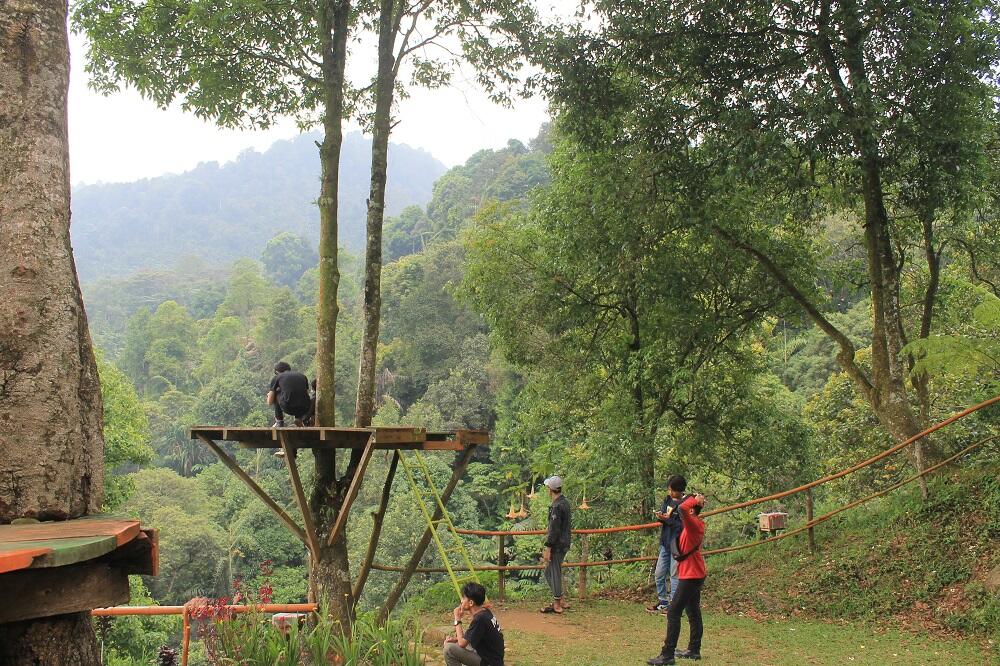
pixel 255 489
pixel 400 435
pixel 352 491
pixel 22 558
pixel 55 591
pixel 300 497
pixel 123 530
pixel 62 552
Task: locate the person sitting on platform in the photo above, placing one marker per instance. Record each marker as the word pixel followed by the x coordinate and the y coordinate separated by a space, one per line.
pixel 557 539
pixel 289 394
pixel 482 644
pixel 691 569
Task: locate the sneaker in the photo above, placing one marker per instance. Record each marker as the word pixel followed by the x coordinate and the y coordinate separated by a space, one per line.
pixel 658 608
pixel 280 453
pixel 687 654
pixel 278 423
pixel 661 660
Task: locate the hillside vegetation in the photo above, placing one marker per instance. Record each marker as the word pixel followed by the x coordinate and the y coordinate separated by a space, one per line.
pixel 899 560
pixel 220 213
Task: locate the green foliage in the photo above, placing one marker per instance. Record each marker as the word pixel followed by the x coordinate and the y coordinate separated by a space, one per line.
pixel 135 639
pixel 287 256
pixel 250 639
pixel 126 433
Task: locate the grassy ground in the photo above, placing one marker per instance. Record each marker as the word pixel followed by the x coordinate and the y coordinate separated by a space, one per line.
pixel 615 633
pixel 902 561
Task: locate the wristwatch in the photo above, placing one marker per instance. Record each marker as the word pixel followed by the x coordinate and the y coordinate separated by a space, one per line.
pixel 457 622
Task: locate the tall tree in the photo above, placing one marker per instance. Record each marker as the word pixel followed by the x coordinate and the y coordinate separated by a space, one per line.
pixel 840 97
pixel 244 64
pixel 51 444
pixel 489 32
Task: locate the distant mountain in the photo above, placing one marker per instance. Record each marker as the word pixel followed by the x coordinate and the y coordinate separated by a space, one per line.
pixel 220 213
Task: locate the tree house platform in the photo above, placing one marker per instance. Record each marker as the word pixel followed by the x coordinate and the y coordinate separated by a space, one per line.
pixel 384 438
pixel 71 566
pixel 362 441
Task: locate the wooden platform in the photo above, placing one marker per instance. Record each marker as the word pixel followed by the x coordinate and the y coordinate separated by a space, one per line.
pixel 67 566
pixel 386 438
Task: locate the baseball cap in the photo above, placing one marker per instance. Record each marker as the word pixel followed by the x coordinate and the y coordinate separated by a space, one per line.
pixel 553 482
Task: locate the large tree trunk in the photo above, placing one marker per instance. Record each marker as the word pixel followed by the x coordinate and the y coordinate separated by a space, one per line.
pixel 66 640
pixel 384 85
pixel 329 573
pixel 51 442
pixel 886 391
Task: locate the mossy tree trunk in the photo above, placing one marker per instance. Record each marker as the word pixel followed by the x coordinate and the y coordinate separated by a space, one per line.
pixel 51 441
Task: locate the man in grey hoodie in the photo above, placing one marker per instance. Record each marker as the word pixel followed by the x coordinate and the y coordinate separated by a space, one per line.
pixel 557 540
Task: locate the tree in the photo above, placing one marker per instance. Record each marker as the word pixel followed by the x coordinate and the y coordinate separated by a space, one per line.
pixel 126 433
pixel 51 446
pixel 489 32
pixel 619 313
pixel 243 64
pixel 286 257
pixel 887 108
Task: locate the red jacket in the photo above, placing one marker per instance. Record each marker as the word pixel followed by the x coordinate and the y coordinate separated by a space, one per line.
pixel 693 566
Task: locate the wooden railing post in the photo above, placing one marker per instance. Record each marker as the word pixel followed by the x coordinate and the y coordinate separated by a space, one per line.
pixel 501 561
pixel 584 557
pixel 809 517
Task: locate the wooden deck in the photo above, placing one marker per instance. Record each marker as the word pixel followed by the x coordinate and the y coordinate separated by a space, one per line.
pixel 386 438
pixel 69 566
pixel 56 544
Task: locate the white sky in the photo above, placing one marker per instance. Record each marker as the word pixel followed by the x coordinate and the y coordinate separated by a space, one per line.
pixel 124 137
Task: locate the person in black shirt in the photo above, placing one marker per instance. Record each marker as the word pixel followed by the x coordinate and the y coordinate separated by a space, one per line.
pixel 557 539
pixel 482 644
pixel 289 394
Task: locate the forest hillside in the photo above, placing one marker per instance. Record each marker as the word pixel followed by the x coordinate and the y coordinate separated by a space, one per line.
pixel 223 212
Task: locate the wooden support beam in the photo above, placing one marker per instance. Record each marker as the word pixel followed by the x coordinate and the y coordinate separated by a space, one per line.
pixel 418 553
pixel 312 541
pixel 378 517
pixel 34 593
pixel 255 489
pixel 352 491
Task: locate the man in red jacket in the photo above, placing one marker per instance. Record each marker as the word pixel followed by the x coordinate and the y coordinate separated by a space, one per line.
pixel 691 572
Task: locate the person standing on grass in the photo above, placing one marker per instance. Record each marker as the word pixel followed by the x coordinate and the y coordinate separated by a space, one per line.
pixel 482 644
pixel 288 393
pixel 666 567
pixel 557 539
pixel 691 571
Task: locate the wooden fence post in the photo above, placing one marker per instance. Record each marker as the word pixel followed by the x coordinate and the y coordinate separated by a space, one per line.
pixel 501 574
pixel 809 517
pixel 584 557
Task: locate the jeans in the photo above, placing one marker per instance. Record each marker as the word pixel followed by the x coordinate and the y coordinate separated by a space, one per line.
pixel 553 573
pixel 687 598
pixel 460 656
pixel 665 565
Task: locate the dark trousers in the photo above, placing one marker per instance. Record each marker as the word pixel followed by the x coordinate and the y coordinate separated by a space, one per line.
pixel 688 598
pixel 553 573
pixel 297 411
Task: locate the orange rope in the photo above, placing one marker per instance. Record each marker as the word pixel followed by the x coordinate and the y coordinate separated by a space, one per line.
pixel 759 500
pixel 816 521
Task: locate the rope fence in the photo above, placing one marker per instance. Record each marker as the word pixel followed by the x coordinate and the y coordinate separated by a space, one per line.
pixel 586 563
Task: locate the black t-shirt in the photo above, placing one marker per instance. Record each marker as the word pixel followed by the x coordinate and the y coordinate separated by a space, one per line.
pixel 486 638
pixel 292 391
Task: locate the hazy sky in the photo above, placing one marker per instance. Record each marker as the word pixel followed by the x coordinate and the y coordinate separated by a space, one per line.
pixel 123 137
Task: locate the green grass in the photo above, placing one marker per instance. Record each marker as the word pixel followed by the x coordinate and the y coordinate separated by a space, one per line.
pixel 613 633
